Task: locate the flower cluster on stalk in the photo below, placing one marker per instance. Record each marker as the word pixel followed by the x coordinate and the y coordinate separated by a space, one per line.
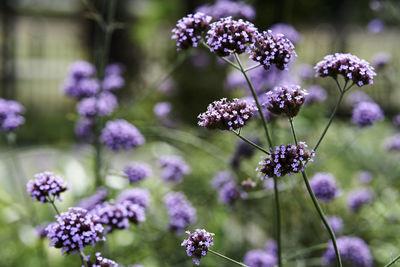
pixel 180 211
pixel 367 113
pixel 285 100
pixel 46 186
pixel 197 244
pixel 120 134
pixel 100 261
pixel 324 186
pixel 11 115
pixel 224 8
pixel 173 168
pixel 137 171
pixel 137 196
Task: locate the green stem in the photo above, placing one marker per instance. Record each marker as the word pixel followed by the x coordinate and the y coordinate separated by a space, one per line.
pixel 393 261
pixel 278 221
pixel 54 206
pixel 227 258
pixel 305 251
pixel 250 142
pixel 223 58
pixel 293 132
pixel 252 67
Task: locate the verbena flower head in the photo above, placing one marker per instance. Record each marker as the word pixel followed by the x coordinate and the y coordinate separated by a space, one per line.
pixel 84 129
pixel 220 179
pixel 137 171
pixel 114 69
pixel 120 134
pixel 102 105
pixel 375 26
pixel 79 82
pixel 101 262
pixel 285 160
pixel 260 258
pixel 271 247
pixel 41 230
pixel 94 200
pixel 197 244
pixel 226 115
pixel 180 211
pixel 353 251
pixel 11 115
pixel 81 69
pixel 46 186
pixel 162 109
pixel 74 230
pixel 224 8
pixel 272 49
pixel 230 192
pixel 137 196
pixel 285 100
pixel 243 151
pixel 358 198
pixel 367 113
pixel 189 30
pixel 228 35
pixel 393 143
pixel 336 223
pixel 365 177
pixel 324 186
pixel 288 30
pixel 347 65
pixel 173 168
pixel 316 94
pixel 113 82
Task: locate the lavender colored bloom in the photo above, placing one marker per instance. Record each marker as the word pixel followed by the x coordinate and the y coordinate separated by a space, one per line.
pixel 173 168
pixel 197 244
pixel 189 29
pixel 94 200
pixel 359 197
pixel 102 105
pixel 396 120
pixel 227 36
pixel 180 211
pixel 45 186
pixel 220 179
pixel 366 114
pixel 162 109
pixel 272 49
pixel 114 69
pixel 376 26
pixel 137 196
pixel 260 258
pixel 285 100
pixel 101 262
pixel 243 150
pixel 74 230
pixel 356 97
pixel 393 143
pixel 226 115
pixel 10 115
pixel 271 247
pixel 305 71
pixel 120 134
pixel 81 69
pixel 336 223
pixel 79 83
pixel 12 122
pixel 285 160
pixel 113 82
pixel 230 192
pixel 365 177
pixel 348 65
pixel 41 230
pixel 137 171
pixel 224 8
pixel 288 30
pixel 381 60
pixel 324 186
pixel 316 94
pixel 353 251
pixel 84 129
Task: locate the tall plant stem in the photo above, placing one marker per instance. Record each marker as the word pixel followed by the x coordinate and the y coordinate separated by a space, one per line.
pixel 393 261
pixel 316 204
pixel 227 258
pixel 250 142
pixel 278 221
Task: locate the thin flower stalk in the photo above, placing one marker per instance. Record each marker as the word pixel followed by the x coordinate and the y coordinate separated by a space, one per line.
pixel 227 258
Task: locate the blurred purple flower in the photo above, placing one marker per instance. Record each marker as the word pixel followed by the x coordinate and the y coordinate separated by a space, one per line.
pixel 271 247
pixel 173 168
pixel 315 94
pixel 84 129
pixel 288 30
pixel 101 105
pixel 162 109
pixel 336 224
pixel 358 198
pixel 94 200
pixel 137 171
pixel 260 258
pixel 120 134
pixel 365 177
pixel 113 82
pixel 225 8
pixel 356 96
pixel 137 196
pixel 220 179
pixel 10 115
pixel 381 60
pixel 393 143
pixel 376 26
pixel 180 211
pixel 230 192
pixel 114 69
pixel 396 120
pixel 367 113
pixel 324 186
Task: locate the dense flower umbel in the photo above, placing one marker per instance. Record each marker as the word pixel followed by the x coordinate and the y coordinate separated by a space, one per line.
pixel 74 230
pixel 348 65
pixel 180 211
pixel 358 198
pixel 46 186
pixel 94 200
pixel 84 129
pixel 260 258
pixel 224 8
pixel 10 115
pixel 324 186
pixel 285 160
pixel 230 192
pixel 336 223
pixel 120 134
pixel 137 171
pixel 316 94
pixel 220 179
pixel 227 36
pixel 173 168
pixel 272 49
pixel 189 30
pixel 288 30
pixel 367 113
pixel 137 196
pixel 285 100
pixel 101 262
pixel 102 105
pixel 353 251
pixel 197 244
pixel 226 115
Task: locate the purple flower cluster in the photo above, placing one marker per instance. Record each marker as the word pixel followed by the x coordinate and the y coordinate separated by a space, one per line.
pixel 173 168
pixel 224 8
pixel 393 143
pixel 94 200
pixel 272 49
pixel 375 26
pixel 227 36
pixel 288 30
pixel 84 129
pixel 260 258
pixel 367 113
pixel 358 198
pixel 120 134
pixel 230 192
pixel 189 30
pixel 180 211
pixel 41 230
pixel 101 105
pixel 348 65
pixel 137 171
pixel 285 100
pixel 45 186
pixel 316 94
pixel 365 177
pixel 220 179
pixel 324 186
pixel 101 262
pixel 10 115
pixel 336 223
pixel 226 115
pixel 74 230
pixel 162 109
pixel 197 244
pixel 396 120
pixel 356 97
pixel 137 196
pixel 285 160
pixel 242 151
pixel 381 60
pixel 353 251
pixel 76 84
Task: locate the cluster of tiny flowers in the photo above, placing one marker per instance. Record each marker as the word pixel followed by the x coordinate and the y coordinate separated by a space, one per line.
pixel 324 186
pixel 137 171
pixel 358 198
pixel 230 192
pixel 367 113
pixel 102 262
pixel 226 115
pixel 137 196
pixel 10 115
pixel 336 223
pixel 285 100
pixel 41 230
pixel 220 179
pixel 285 160
pixel 45 186
pixel 84 129
pixel 224 8
pixel 316 94
pixel 393 143
pixel 173 168
pixel 180 211
pixel 74 230
pixel 94 200
pixel 120 134
pixel 227 36
pixel 272 49
pixel 288 30
pixel 101 105
pixel 197 244
pixel 348 65
pixel 353 251
pixel 260 258
pixel 189 30
pixel 243 150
